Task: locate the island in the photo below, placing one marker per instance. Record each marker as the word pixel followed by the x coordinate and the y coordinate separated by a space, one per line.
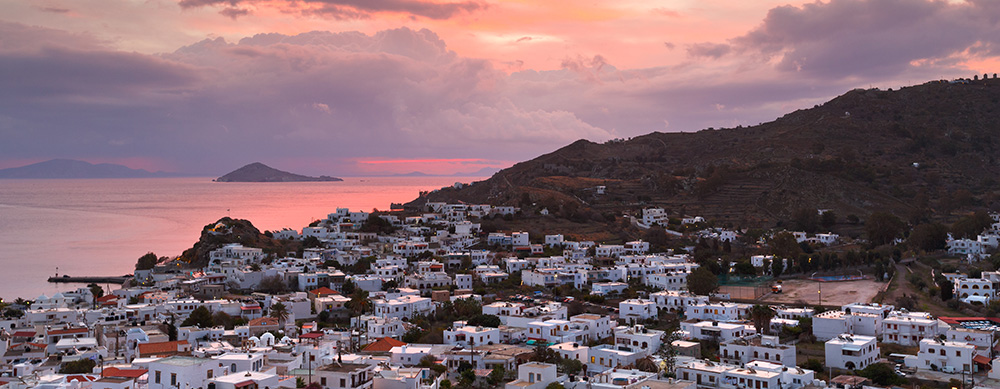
pixel 259 172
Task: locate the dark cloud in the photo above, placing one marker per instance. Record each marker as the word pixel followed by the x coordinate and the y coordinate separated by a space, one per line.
pixel 869 38
pixel 234 13
pixel 317 96
pixel 357 9
pixel 710 50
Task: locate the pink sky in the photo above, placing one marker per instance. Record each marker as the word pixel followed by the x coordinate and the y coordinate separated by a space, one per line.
pixel 329 86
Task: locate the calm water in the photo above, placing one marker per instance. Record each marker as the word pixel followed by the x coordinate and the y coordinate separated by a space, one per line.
pixel 101 226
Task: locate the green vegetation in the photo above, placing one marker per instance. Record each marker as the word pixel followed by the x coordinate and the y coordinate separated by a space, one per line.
pixel 146 262
pixel 81 366
pixel 702 282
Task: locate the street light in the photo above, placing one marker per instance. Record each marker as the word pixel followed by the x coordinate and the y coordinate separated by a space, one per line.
pixel 819 287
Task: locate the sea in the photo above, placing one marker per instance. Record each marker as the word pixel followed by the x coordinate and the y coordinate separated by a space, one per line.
pixel 100 227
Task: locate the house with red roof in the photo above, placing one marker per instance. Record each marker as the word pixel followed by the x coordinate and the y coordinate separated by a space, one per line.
pixel 321 292
pixel 383 345
pixel 163 349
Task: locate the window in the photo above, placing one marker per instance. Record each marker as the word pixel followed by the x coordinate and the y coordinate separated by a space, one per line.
pixel 208 374
pixel 157 377
pixel 173 379
pixel 343 383
pixel 322 381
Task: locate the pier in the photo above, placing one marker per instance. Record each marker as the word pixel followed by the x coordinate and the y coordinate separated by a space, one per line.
pixel 90 279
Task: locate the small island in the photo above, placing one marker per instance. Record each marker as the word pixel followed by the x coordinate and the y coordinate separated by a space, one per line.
pixel 258 172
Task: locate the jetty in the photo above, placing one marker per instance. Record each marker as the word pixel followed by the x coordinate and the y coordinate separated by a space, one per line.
pixel 90 279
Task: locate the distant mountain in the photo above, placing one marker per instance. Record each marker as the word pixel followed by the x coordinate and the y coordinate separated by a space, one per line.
pixel 258 172
pixel 929 151
pixel 68 168
pixel 484 172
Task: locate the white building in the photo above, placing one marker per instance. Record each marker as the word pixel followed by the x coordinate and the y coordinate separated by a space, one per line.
pixel 757 348
pixel 720 311
pixel 608 288
pixel 403 306
pixel 851 352
pixel 463 281
pixel 946 356
pixel 634 310
pixel 605 357
pixel 183 372
pixel 909 328
pixel 468 335
pixel 345 375
pixel 969 288
pixel 723 332
pixel 639 338
pixel 651 216
pixel 830 324
pixel 676 301
pixel 535 375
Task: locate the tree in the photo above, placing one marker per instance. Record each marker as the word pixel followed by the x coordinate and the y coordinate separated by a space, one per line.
pixel 223 319
pixel 777 267
pixel 971 226
pixel 668 350
pixel 947 288
pixel 657 238
pixel 272 285
pixel 928 237
pixel 882 374
pixel 347 288
pixel 485 321
pixel 200 317
pixel 359 303
pixel 96 290
pixel 79 366
pixel 806 219
pixel 572 366
pixel 828 219
pixel 761 316
pixel 147 261
pixel 702 282
pixel 883 227
pixel 496 376
pixel 279 311
pixel 745 268
pixel 555 385
pixel 784 245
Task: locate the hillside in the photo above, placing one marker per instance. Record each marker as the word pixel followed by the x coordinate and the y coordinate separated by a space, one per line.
pixel 923 151
pixel 226 231
pixel 258 172
pixel 69 168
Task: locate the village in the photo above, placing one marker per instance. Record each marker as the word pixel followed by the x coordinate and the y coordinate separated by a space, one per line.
pixel 430 301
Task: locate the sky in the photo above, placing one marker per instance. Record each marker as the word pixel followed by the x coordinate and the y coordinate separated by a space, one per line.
pixel 371 87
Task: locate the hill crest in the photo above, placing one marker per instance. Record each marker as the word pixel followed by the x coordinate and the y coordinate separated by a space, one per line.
pixel 918 152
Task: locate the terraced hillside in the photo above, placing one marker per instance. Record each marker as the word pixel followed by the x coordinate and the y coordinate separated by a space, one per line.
pixel 924 151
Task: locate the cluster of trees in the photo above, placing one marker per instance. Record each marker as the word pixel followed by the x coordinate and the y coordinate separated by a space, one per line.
pixel 203 318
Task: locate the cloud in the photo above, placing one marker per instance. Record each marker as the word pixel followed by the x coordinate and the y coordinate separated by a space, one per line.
pixel 397 92
pixel 234 13
pixel 871 38
pixel 353 9
pixel 710 50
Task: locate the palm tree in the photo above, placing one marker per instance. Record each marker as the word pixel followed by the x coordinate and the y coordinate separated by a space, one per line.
pixel 279 311
pixel 359 303
pixel 761 316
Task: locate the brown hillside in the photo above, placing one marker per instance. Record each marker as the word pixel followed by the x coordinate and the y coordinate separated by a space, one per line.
pixel 854 154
